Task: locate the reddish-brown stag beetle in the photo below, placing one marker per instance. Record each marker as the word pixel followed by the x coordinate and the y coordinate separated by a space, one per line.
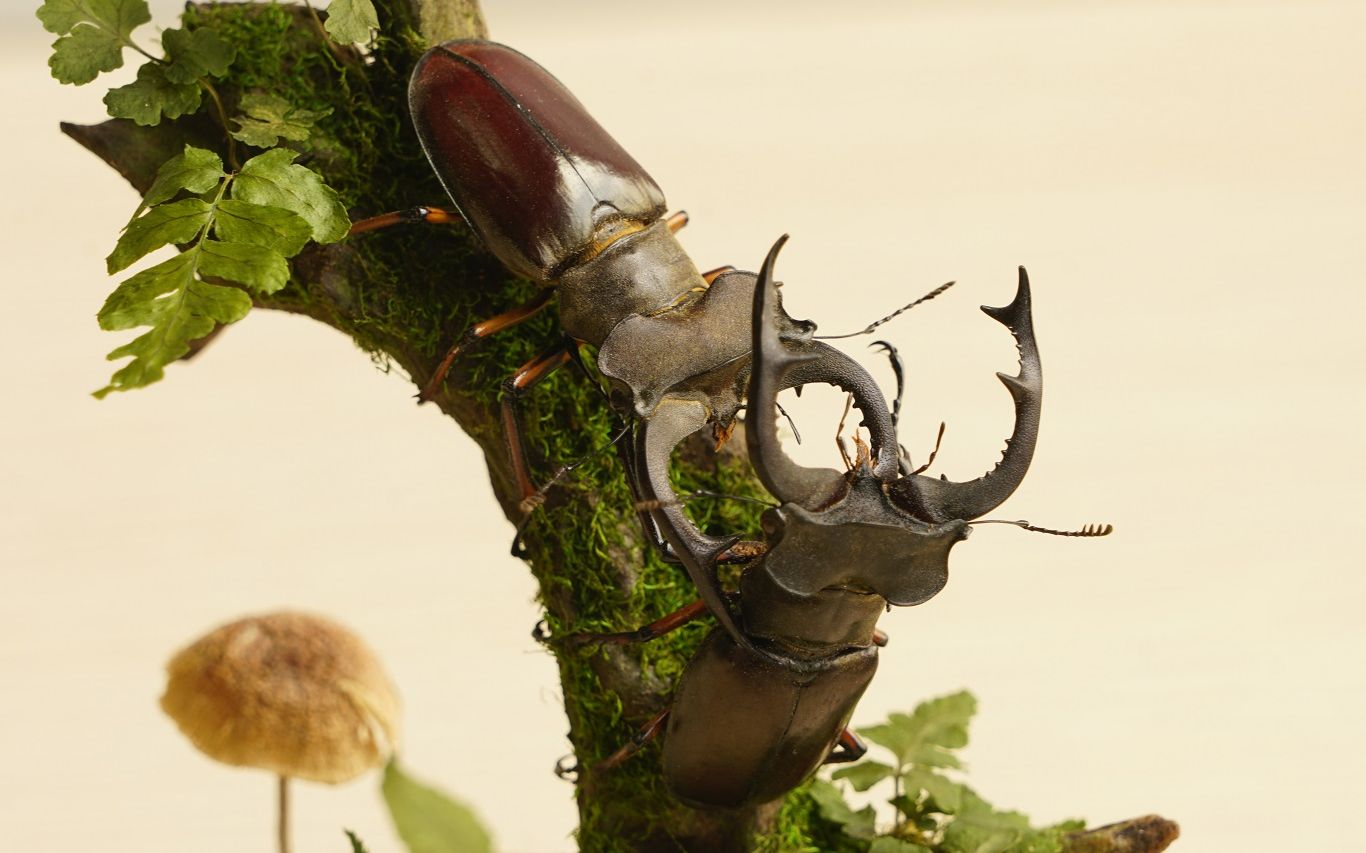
pixel 557 200
pixel 766 699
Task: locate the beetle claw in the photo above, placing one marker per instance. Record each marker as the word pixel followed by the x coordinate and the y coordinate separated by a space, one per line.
pixel 567 772
pixel 540 634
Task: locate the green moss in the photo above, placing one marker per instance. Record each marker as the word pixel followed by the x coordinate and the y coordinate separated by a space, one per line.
pixel 800 828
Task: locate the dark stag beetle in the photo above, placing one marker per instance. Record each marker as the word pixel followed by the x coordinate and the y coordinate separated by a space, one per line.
pixel 557 200
pixel 767 698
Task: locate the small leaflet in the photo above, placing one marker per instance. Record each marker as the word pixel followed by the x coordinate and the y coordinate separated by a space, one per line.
pixel 926 736
pixel 260 268
pixel 177 306
pixel 357 846
pixel 193 54
pixel 197 170
pixel 151 96
pixel 864 774
pixel 272 179
pixel 270 118
pixel 273 227
pixel 93 34
pixel 427 820
pixel 351 21
pixel 164 224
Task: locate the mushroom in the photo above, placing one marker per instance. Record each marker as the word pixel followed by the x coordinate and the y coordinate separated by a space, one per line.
pixel 292 693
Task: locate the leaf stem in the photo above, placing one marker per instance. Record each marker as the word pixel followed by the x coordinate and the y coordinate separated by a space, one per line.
pixel 223 121
pixel 128 42
pixel 896 791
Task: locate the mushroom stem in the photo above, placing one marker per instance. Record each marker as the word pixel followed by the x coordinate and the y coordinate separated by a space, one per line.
pixel 284 814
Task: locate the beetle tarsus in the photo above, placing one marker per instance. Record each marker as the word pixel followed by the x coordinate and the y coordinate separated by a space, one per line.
pixel 566 771
pixel 849 747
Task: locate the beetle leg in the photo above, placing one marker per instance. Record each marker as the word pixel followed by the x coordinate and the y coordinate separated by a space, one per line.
pixel 645 633
pixel 526 378
pixel 421 213
pixel 676 221
pixel 849 747
pixel 648 732
pixel 483 329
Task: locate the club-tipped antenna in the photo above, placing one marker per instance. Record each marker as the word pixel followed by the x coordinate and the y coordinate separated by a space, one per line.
pixel 1090 531
pixel 898 312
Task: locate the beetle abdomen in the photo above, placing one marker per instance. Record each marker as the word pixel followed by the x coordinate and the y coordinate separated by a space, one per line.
pixel 745 730
pixel 529 168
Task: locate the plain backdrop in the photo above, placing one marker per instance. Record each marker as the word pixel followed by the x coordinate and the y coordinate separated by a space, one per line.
pixel 1185 182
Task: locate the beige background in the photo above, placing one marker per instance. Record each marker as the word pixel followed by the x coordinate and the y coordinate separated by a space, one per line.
pixel 1185 182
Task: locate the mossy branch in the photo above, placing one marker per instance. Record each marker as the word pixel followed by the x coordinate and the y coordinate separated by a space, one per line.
pixel 403 295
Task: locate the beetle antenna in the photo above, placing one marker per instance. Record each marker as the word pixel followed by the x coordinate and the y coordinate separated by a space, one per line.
pixel 839 433
pixel 1089 531
pixel 938 439
pixel 781 411
pixel 530 504
pixel 898 312
pixel 899 369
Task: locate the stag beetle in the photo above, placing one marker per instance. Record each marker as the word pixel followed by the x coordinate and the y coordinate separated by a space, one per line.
pixel 557 200
pixel 766 699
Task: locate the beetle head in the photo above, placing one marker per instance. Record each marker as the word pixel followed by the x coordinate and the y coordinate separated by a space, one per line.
pixel 869 529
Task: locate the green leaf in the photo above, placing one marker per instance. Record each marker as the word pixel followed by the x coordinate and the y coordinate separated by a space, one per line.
pixel 194 169
pixel 926 736
pixel 864 775
pixel 272 179
pixel 888 844
pixel 272 227
pixel 196 53
pixel 271 118
pixel 116 16
pixel 261 269
pixel 979 828
pixel 177 306
pixel 151 96
pixel 946 795
pixel 94 33
pixel 856 824
pixel 133 304
pixel 351 21
pixel 163 225
pixel 84 55
pixel 356 845
pixel 913 810
pixel 427 820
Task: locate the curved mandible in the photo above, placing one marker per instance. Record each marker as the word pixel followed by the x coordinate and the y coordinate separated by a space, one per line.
pixel 672 421
pixel 775 367
pixel 939 500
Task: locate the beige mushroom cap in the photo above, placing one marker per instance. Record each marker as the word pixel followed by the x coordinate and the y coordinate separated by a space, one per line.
pixel 291 693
